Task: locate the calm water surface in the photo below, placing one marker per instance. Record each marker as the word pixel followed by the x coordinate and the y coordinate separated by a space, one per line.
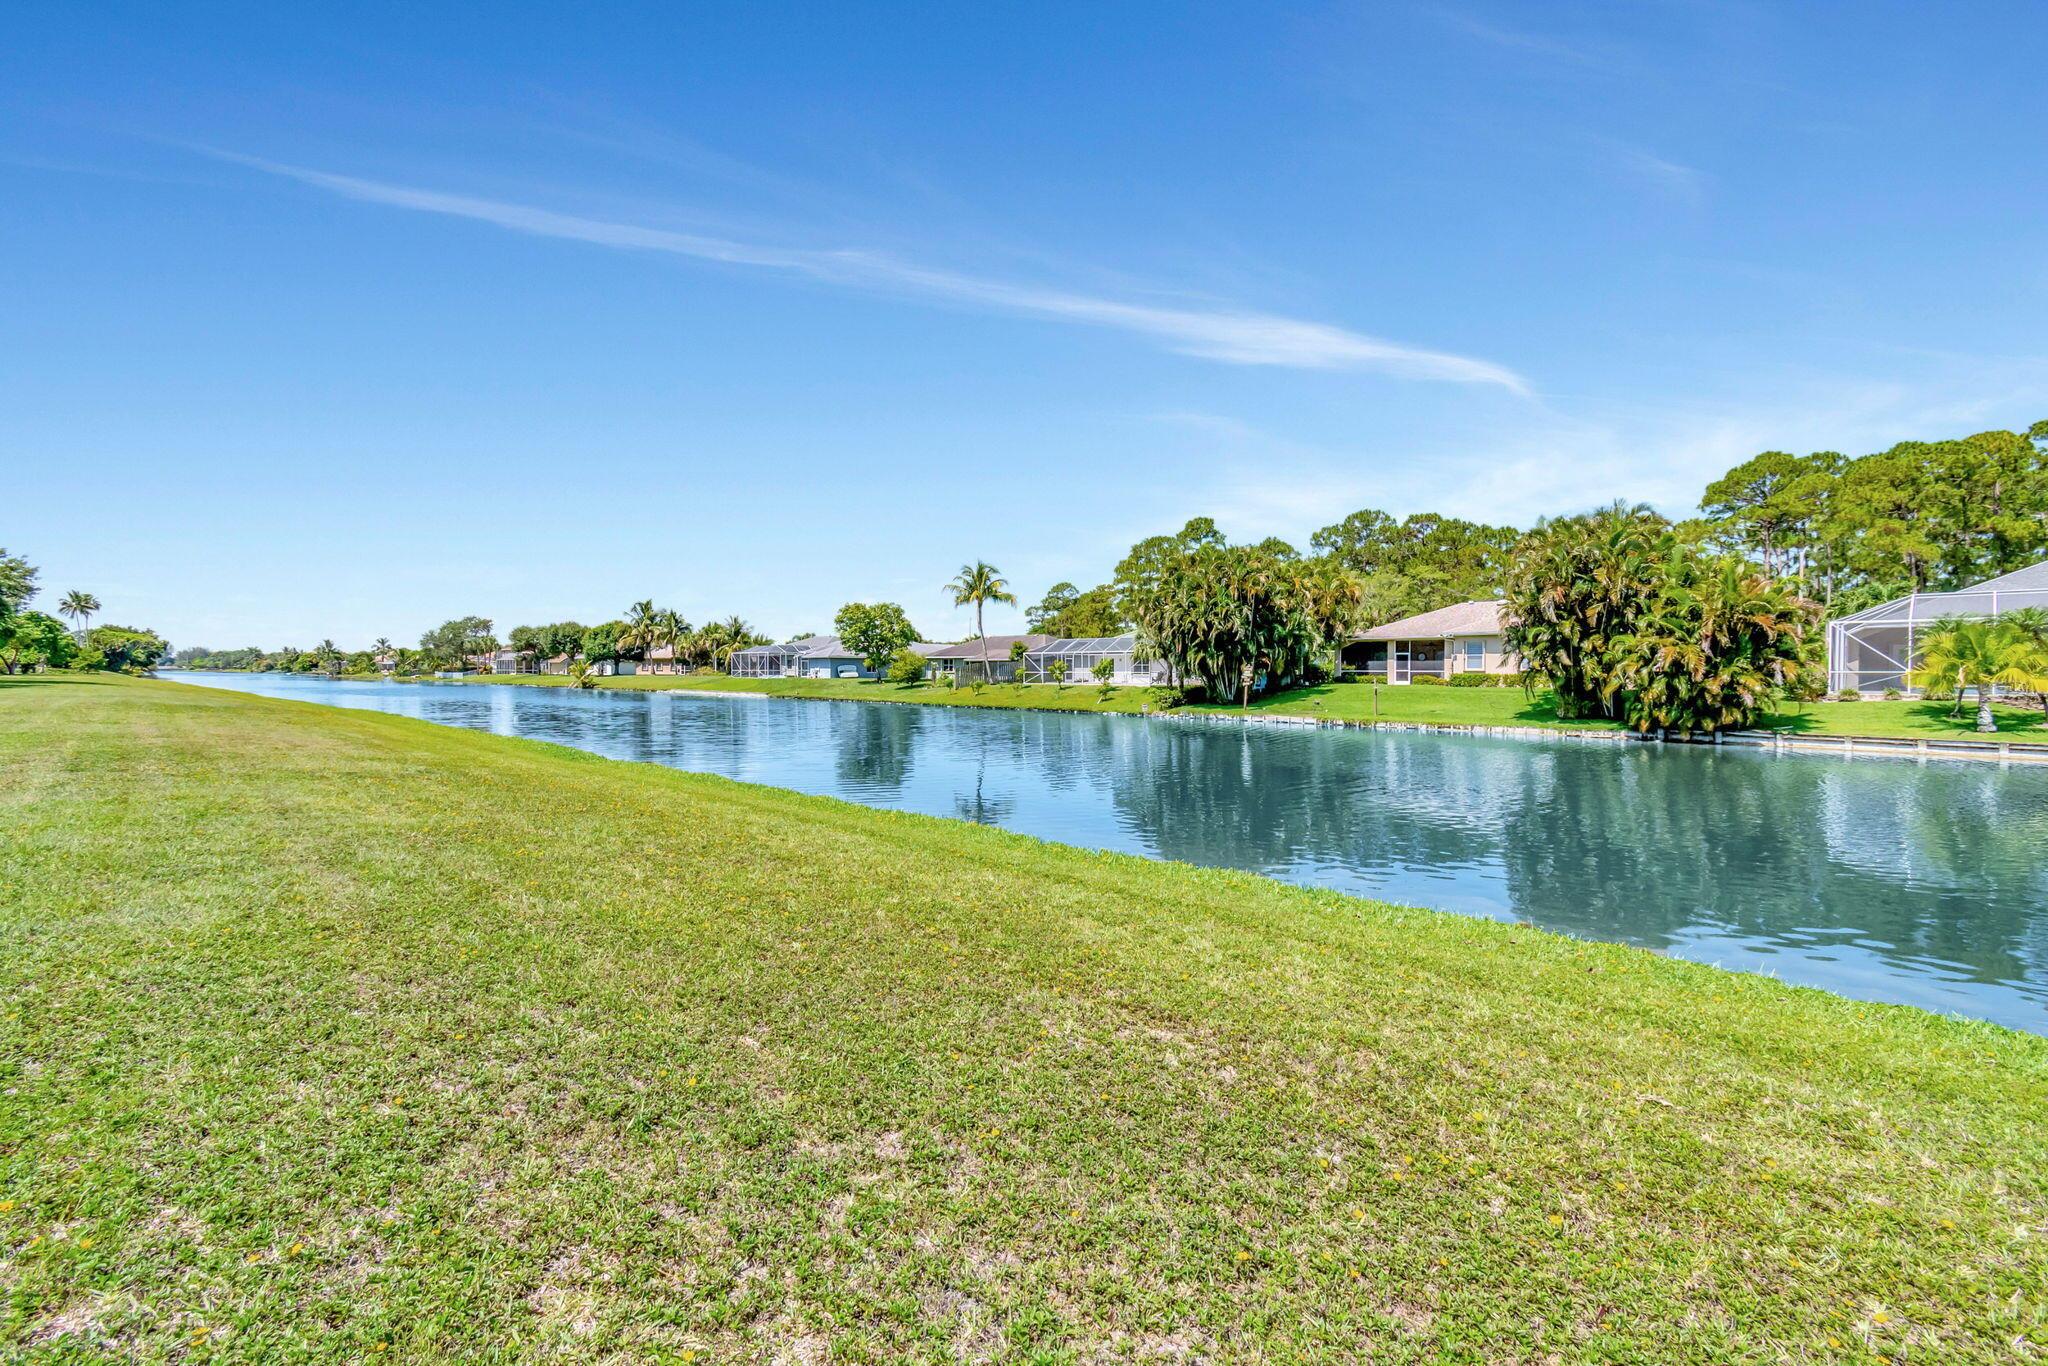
pixel 1881 879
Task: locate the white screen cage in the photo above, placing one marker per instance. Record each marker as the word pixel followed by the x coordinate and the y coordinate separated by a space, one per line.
pixel 1876 650
pixel 1082 654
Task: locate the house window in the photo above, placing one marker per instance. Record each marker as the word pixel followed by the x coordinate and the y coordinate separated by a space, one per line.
pixel 1475 654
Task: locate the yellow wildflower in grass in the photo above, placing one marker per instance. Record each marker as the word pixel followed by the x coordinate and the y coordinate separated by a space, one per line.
pixel 1879 1317
pixel 1557 1221
pixel 6 1205
pixel 1243 1256
pixel 85 1242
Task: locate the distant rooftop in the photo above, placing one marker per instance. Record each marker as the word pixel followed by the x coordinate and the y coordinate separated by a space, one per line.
pixel 998 647
pixel 1459 619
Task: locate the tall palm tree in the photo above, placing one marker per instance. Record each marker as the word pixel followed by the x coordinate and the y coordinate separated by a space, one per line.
pixel 643 628
pixel 1981 655
pixel 673 632
pixel 80 607
pixel 980 583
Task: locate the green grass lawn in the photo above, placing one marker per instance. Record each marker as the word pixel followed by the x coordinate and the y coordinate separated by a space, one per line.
pixel 1419 703
pixel 336 1036
pixel 1512 707
pixel 1033 696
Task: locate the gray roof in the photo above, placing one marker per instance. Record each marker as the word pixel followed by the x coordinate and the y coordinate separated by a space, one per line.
pixel 826 647
pixel 2032 579
pixel 1459 619
pixel 2008 592
pixel 998 647
pixel 1089 645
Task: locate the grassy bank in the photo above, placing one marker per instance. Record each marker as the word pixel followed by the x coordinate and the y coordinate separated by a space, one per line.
pixel 332 1035
pixel 1444 705
pixel 1414 703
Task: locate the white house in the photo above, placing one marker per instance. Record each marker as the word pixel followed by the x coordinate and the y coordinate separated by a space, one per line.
pixel 1467 637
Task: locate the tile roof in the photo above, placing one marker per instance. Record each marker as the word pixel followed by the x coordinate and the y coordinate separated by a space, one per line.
pixel 1460 619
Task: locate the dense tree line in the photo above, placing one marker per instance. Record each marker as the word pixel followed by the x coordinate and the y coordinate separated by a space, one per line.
pixel 32 640
pixel 1629 619
pixel 1923 516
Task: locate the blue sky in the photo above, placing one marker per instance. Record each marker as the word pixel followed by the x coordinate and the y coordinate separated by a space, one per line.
pixel 340 322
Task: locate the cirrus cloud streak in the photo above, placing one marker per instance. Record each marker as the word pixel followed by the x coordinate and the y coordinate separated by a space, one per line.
pixel 1220 334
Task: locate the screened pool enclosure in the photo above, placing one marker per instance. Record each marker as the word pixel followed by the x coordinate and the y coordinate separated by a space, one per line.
pixel 1875 650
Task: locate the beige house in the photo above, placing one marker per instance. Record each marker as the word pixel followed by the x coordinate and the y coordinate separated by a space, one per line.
pixel 1464 638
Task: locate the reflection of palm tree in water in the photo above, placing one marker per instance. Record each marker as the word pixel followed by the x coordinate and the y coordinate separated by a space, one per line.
pixel 979 806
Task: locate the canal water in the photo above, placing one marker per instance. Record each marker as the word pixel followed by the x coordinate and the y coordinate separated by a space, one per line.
pixel 1882 879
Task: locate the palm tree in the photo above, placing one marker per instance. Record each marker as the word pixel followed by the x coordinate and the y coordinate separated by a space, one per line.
pixel 1982 655
pixel 80 607
pixel 980 583
pixel 643 626
pixel 2032 625
pixel 668 628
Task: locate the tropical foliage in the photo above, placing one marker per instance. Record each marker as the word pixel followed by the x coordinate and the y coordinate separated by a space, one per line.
pixel 1923 516
pixel 875 631
pixel 1631 621
pixel 1067 611
pixel 977 585
pixel 79 607
pixel 1421 562
pixel 123 649
pixel 454 643
pixel 34 640
pixel 1962 655
pixel 1246 619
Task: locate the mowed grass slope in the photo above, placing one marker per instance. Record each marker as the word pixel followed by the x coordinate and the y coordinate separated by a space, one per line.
pixel 334 1036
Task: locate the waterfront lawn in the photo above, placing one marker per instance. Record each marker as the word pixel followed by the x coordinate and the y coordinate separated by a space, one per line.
pixel 1443 705
pixel 1906 720
pixel 1411 703
pixel 1420 703
pixel 1032 696
pixel 337 1036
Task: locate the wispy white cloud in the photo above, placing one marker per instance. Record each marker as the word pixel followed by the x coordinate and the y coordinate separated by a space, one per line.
pixel 1523 40
pixel 1673 178
pixel 1219 334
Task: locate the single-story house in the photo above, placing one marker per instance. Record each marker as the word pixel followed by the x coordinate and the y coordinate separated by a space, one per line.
pixel 662 660
pixel 511 662
pixel 560 665
pixel 386 663
pixel 810 657
pixel 1082 654
pixel 1875 650
pixel 1466 637
pixel 964 658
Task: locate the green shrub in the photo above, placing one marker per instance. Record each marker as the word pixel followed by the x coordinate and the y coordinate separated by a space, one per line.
pixel 1848 695
pixel 1472 678
pixel 906 666
pixel 1892 694
pixel 1435 680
